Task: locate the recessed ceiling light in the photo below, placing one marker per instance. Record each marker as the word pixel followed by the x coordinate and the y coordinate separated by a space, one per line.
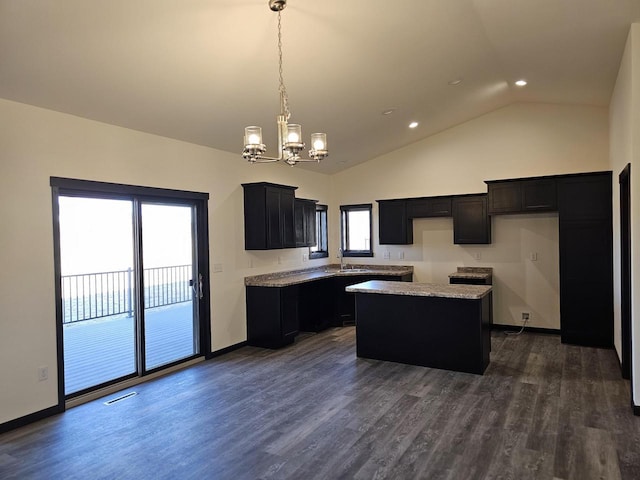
pixel 413 124
pixel 521 83
pixel 455 81
pixel 388 111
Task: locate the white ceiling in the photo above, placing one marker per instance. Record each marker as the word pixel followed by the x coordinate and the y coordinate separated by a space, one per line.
pixel 201 70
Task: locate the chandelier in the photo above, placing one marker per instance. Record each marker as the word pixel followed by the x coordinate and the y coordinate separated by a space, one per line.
pixel 290 142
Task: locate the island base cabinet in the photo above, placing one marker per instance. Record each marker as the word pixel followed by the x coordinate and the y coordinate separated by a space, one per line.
pixel 447 333
pixel 272 316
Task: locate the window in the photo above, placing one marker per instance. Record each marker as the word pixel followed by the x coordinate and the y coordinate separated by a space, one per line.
pixel 321 248
pixel 355 228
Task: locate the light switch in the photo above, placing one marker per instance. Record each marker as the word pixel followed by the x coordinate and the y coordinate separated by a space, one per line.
pixel 217 267
pixel 533 256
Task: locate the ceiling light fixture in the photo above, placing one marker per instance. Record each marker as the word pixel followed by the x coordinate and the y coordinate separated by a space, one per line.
pixel 455 81
pixel 521 83
pixel 290 142
pixel 413 124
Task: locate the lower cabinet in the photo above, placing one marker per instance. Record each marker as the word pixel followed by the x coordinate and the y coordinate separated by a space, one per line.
pixel 315 305
pixel 275 315
pixel 272 316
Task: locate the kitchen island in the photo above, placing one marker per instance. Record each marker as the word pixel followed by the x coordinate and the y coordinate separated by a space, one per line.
pixel 431 325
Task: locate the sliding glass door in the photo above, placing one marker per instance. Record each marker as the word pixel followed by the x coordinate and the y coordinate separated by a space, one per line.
pixel 170 284
pixel 131 288
pixel 98 299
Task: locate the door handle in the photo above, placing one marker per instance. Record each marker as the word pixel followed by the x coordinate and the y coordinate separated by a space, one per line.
pixel 197 289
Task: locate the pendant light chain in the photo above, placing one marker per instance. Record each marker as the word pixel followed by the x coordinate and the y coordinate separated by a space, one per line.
pixel 283 91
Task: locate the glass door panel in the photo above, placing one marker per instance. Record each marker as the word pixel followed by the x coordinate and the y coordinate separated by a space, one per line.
pixel 169 278
pixel 98 299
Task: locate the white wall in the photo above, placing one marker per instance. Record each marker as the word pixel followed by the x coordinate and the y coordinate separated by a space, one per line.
pixel 520 140
pixel 625 146
pixel 36 144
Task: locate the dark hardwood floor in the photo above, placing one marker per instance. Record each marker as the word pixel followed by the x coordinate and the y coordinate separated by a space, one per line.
pixel 542 410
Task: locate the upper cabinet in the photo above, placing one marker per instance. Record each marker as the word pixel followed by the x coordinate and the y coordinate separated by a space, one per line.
pixel 522 196
pixel 268 216
pixel 429 207
pixel 305 222
pixel 394 227
pixel 471 221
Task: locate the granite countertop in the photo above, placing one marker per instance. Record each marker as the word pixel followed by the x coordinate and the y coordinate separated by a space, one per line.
pixel 468 292
pixel 479 273
pixel 293 277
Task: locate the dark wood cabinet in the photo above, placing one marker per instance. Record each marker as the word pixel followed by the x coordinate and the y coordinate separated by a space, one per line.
pixel 586 259
pixel 429 207
pixel 275 315
pixel 305 222
pixel 268 216
pixel 315 305
pixel 505 197
pixel 394 227
pixel 539 195
pixel 471 222
pixel 522 195
pixel 272 316
pixel 345 303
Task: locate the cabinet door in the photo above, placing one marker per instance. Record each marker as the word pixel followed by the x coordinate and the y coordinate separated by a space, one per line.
pixel 471 223
pixel 289 312
pixel 310 224
pixel 587 197
pixel 274 219
pixel 305 222
pixel 418 208
pixel 300 222
pixel 586 283
pixel 440 207
pixel 505 197
pixel 394 227
pixel 539 195
pixel 429 207
pixel 287 206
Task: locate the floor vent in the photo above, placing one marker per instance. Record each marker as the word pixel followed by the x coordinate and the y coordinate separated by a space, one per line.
pixel 120 398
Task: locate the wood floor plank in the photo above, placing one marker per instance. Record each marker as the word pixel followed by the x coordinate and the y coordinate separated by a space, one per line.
pixel 313 410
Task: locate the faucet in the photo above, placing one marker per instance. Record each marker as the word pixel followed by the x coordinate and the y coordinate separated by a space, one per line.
pixel 341 255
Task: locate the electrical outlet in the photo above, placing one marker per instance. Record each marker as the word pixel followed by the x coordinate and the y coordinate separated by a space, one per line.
pixel 43 373
pixel 400 255
pixel 305 257
pixel 217 267
pixel 387 254
pixel 279 260
pixel 477 255
pixel 525 316
pixel 533 256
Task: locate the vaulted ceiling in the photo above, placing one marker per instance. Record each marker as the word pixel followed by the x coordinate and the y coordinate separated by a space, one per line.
pixel 201 70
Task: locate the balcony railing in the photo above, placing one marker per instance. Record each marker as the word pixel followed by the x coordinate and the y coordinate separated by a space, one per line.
pixel 94 295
